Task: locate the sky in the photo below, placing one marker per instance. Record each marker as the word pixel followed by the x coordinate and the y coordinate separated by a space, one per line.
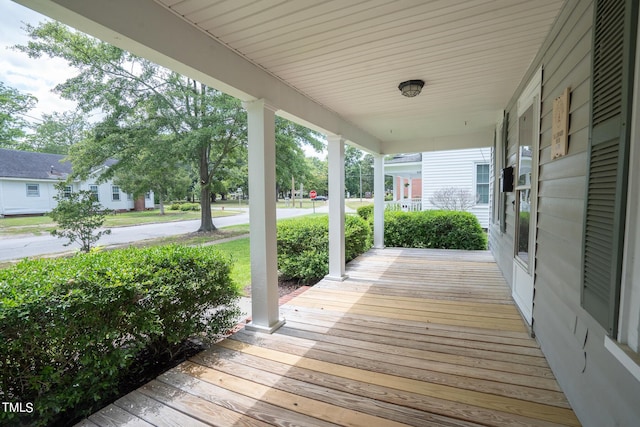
pixel 35 76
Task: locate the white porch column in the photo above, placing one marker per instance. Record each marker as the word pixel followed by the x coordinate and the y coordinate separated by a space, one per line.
pixel 335 147
pixel 378 202
pixel 262 217
pixel 395 188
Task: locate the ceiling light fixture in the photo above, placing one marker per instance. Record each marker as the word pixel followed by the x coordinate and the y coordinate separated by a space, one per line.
pixel 411 88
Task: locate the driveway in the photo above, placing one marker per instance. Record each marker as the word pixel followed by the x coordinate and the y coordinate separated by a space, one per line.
pixel 27 246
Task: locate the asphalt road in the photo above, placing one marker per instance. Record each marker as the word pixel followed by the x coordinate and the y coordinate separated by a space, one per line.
pixel 19 247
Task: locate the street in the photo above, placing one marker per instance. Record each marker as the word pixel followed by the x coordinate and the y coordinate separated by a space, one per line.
pixel 19 247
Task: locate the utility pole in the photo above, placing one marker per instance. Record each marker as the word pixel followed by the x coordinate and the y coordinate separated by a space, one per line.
pixel 360 167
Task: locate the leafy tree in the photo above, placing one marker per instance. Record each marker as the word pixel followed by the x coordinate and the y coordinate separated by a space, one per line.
pixel 207 125
pixel 79 215
pixel 13 106
pixel 146 161
pixel 58 132
pixel 318 172
pixel 290 157
pixel 453 199
pixel 358 168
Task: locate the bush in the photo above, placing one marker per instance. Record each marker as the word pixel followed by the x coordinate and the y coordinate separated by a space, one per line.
pixel 190 207
pixel 366 212
pixel 78 216
pixel 433 229
pixel 70 328
pixel 303 246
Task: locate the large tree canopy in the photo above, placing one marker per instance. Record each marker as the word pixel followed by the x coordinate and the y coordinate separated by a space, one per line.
pixel 13 106
pixel 57 132
pixel 143 105
pixel 156 122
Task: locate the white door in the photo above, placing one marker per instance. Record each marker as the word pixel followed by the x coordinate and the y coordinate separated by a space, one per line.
pixel 526 189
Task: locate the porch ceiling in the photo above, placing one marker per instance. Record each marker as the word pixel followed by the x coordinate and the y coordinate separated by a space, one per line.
pixel 343 59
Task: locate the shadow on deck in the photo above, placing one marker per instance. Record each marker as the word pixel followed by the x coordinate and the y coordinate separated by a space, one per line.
pixel 412 337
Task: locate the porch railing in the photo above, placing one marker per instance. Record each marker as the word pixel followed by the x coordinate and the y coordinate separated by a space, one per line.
pixel 407 205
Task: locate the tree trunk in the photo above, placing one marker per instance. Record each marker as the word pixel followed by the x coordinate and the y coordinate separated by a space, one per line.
pixel 206 223
pixel 161 202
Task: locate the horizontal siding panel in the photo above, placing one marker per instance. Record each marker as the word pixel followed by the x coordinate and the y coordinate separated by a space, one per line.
pixel 563 228
pixel 564 270
pixel 563 208
pixel 569 39
pixel 574 165
pixel 572 188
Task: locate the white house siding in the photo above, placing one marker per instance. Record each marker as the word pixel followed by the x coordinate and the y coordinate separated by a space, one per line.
pixel 14 199
pixel 454 168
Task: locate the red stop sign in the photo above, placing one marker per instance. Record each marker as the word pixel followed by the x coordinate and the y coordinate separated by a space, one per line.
pixel 313 194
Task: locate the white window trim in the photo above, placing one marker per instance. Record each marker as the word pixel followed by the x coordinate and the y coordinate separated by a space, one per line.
pixel 475 182
pixel 37 190
pixel 113 193
pixel 97 193
pixel 627 357
pixel 498 161
pixel 64 190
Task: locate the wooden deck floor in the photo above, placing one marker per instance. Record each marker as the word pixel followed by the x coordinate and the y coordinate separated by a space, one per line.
pixel 413 337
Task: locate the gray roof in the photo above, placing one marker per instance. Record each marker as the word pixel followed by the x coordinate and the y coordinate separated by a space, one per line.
pixel 31 165
pixel 404 158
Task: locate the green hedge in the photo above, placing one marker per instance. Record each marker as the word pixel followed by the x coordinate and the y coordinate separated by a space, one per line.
pixel 366 212
pixel 70 328
pixel 303 246
pixel 190 207
pixel 433 229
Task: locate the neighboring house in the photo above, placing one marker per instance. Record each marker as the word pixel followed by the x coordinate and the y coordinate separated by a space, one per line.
pixel 28 179
pixel 416 177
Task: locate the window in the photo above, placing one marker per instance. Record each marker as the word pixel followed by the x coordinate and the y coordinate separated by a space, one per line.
pixel 33 190
pixel 524 233
pixel 482 183
pixel 94 190
pixel 115 193
pixel 147 195
pixel 66 192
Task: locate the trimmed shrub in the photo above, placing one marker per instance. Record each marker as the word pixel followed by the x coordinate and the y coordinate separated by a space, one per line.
pixel 366 212
pixel 71 328
pixel 190 207
pixel 433 229
pixel 303 246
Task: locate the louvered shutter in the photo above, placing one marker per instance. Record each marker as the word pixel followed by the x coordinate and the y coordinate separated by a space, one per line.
pixel 505 150
pixel 612 82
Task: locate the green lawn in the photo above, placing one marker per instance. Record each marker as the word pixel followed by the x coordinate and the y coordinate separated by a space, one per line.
pixel 355 203
pixel 239 251
pixel 44 224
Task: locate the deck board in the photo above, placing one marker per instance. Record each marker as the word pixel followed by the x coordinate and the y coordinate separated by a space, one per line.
pixel 412 337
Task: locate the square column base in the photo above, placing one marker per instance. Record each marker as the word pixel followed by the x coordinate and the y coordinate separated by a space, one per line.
pixel 336 278
pixel 265 329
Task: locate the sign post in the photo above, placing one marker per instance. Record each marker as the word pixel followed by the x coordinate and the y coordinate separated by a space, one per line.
pixel 313 196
